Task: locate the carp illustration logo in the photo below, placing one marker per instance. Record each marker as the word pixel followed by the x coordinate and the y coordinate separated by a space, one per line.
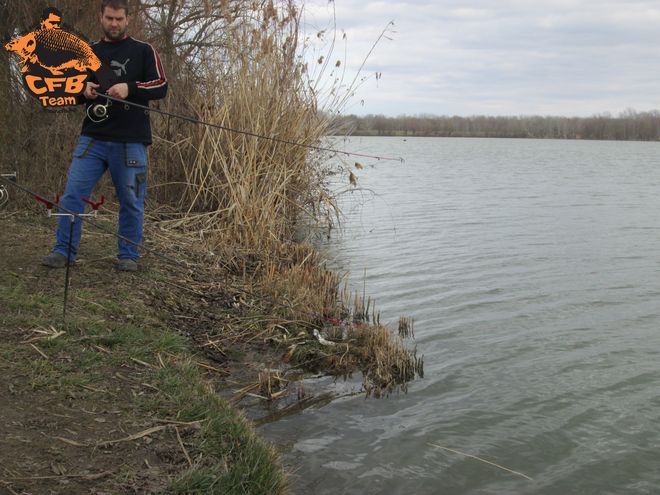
pixel 53 61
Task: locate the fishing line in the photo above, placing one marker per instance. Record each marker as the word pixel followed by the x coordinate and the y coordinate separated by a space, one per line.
pixel 103 114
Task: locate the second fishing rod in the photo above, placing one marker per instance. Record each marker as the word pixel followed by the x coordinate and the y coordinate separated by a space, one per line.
pixel 100 111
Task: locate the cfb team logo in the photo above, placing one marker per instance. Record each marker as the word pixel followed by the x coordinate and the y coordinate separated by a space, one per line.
pixel 53 61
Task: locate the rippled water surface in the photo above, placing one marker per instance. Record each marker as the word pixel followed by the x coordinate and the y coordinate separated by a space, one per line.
pixel 532 269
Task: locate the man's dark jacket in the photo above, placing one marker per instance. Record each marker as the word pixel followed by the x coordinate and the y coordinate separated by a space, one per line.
pixel 136 63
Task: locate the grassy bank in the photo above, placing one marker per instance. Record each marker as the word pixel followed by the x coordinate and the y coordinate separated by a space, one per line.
pixel 115 400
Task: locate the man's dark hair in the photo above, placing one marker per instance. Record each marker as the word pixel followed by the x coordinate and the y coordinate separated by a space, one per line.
pixel 50 10
pixel 115 4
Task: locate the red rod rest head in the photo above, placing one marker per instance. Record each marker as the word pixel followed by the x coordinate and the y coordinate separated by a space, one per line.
pixel 94 204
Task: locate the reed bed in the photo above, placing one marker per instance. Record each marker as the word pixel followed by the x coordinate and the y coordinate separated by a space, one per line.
pixel 237 187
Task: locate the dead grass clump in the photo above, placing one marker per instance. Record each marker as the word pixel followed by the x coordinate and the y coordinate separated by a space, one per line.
pixel 387 363
pixel 299 287
pixel 383 359
pixel 271 384
pixel 356 341
pixel 406 327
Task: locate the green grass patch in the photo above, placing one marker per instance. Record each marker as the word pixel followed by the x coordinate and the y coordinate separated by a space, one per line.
pixel 101 337
pixel 234 459
pixel 21 305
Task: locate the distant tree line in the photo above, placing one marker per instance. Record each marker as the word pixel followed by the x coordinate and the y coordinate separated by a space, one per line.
pixel 628 126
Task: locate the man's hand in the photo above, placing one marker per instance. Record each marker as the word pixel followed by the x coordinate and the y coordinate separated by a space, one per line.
pixel 90 91
pixel 119 90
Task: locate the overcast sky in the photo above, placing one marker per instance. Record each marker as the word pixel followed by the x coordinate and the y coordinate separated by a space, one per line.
pixel 494 57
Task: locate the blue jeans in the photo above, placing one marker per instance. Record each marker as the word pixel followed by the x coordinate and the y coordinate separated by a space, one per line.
pixel 127 163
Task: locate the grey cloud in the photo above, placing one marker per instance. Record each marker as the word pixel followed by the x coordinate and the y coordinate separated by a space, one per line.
pixel 509 57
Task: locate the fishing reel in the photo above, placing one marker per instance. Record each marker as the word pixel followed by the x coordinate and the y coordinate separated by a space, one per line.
pixel 4 193
pixel 98 112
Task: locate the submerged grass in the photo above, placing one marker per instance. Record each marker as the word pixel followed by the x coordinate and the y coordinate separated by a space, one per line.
pixel 327 331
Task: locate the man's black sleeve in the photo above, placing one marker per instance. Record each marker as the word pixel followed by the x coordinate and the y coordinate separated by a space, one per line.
pixel 154 83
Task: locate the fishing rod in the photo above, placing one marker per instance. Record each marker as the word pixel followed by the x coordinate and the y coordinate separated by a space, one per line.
pixel 100 111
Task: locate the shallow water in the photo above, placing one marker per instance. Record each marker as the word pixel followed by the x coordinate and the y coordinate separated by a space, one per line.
pixel 532 269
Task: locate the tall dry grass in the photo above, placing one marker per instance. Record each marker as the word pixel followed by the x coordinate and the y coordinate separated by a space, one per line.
pixel 236 186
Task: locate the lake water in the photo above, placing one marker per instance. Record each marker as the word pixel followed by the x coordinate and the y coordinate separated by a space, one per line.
pixel 532 269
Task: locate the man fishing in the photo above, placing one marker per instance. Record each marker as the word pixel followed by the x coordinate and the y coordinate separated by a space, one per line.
pixel 117 141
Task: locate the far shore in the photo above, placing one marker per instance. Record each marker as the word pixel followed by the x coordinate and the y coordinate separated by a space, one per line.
pixel 628 126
